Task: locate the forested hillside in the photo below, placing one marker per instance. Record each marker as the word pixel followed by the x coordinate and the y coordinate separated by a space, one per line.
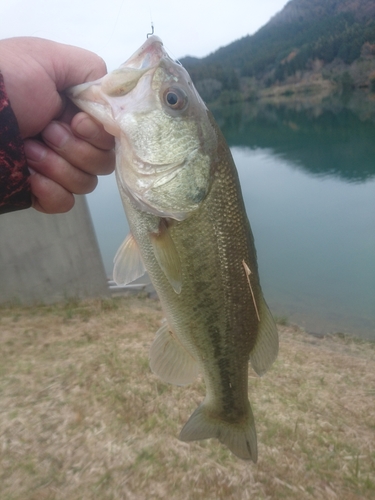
pixel 335 38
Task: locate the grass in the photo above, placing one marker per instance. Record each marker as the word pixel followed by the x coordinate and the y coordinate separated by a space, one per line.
pixel 82 417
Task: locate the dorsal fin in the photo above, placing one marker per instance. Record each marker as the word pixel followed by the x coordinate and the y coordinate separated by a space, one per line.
pixel 266 345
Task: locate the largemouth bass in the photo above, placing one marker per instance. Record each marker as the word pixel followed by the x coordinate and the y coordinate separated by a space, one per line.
pixel 189 229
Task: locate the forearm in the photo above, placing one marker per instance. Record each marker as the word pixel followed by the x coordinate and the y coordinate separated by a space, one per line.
pixel 15 193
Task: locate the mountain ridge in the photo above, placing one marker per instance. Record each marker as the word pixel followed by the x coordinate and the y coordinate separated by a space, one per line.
pixel 307 41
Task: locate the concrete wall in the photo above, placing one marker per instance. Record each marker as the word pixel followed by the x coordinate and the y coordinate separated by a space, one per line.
pixel 47 258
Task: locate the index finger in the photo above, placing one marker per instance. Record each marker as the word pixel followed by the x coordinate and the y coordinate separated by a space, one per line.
pixel 91 131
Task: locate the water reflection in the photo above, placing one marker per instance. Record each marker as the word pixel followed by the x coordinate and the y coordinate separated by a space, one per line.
pixel 308 181
pixel 314 242
pixel 325 141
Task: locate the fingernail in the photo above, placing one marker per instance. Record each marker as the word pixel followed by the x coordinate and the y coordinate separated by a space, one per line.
pixel 87 128
pixel 56 134
pixel 35 151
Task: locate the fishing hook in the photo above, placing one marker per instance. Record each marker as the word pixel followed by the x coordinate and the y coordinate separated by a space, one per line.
pixel 152 30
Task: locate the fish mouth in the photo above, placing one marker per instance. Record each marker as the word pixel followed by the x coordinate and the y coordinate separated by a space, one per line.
pixel 148 55
pixel 122 80
pixel 96 98
pixel 146 59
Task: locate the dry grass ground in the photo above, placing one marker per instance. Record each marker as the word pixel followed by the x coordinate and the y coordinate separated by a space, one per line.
pixel 82 417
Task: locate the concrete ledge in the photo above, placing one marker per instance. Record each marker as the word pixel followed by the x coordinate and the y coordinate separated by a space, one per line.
pixel 47 258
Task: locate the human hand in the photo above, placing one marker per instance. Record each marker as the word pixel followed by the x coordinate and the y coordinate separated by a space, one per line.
pixel 65 148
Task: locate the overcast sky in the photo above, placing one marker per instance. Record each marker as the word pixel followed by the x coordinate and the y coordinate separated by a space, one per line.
pixel 114 29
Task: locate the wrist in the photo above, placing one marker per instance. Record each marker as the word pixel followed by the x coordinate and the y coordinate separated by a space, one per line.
pixel 15 193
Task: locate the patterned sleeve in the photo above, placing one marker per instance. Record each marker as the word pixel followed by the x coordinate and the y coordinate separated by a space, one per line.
pixel 15 193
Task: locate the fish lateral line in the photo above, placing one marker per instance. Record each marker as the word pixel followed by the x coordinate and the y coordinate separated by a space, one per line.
pixel 247 273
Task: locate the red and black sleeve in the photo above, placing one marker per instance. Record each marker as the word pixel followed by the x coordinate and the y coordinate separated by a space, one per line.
pixel 15 193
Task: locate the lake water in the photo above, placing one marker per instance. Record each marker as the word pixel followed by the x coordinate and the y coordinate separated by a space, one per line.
pixel 308 181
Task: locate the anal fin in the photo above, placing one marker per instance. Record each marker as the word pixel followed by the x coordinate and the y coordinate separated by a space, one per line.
pixel 170 360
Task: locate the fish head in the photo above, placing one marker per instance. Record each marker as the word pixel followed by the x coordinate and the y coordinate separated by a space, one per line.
pixel 166 141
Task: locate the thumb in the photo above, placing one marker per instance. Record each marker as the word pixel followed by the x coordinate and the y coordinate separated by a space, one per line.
pixel 73 65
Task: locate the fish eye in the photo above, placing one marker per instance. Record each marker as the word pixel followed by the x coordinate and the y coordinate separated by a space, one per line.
pixel 175 98
pixel 172 98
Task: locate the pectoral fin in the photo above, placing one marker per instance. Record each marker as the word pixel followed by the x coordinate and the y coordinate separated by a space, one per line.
pixel 170 360
pixel 266 346
pixel 128 264
pixel 167 256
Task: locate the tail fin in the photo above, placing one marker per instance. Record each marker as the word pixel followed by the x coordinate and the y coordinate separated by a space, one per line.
pixel 240 438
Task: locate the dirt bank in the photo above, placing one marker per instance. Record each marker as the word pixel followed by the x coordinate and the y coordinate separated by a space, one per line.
pixel 81 416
